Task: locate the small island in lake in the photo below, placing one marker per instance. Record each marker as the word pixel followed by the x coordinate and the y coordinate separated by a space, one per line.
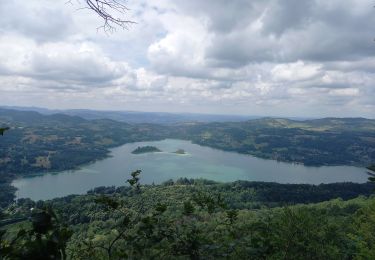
pixel 146 149
pixel 180 151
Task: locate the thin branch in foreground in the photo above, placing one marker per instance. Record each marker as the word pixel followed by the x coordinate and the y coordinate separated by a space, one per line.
pixel 111 11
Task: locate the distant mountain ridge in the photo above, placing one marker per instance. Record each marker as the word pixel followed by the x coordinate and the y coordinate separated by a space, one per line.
pixel 137 117
pixel 321 124
pixel 38 115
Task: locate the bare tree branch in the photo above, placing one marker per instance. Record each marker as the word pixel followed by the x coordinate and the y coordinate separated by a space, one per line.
pixel 111 11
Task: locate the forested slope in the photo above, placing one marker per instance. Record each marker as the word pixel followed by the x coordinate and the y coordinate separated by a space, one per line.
pixel 194 220
pixel 39 143
pixel 329 141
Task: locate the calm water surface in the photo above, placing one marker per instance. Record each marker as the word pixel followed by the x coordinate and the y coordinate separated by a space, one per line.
pixel 199 162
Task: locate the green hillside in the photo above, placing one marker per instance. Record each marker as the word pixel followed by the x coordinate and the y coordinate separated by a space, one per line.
pixel 194 220
pixel 330 141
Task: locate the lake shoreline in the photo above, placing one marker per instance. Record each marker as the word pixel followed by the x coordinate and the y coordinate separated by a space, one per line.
pixel 109 151
pixel 201 162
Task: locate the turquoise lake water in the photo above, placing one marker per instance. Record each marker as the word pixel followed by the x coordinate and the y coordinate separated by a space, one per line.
pixel 199 162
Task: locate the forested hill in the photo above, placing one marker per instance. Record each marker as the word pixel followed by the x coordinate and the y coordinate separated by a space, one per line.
pixel 39 142
pixel 195 219
pixel 328 141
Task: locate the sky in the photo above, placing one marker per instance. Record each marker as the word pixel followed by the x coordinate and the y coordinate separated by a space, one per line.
pixel 294 58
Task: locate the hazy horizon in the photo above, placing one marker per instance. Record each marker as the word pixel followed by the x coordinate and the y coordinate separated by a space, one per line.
pixel 249 116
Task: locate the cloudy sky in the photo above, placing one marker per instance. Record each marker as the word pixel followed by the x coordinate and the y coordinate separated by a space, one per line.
pixel 311 58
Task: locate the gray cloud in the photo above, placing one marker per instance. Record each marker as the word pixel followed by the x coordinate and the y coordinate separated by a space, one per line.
pixel 285 31
pixel 287 15
pixel 273 57
pixel 38 20
pixel 223 17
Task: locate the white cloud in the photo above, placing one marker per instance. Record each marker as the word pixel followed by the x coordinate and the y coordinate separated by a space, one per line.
pixel 295 71
pixel 65 62
pixel 274 57
pixel 350 92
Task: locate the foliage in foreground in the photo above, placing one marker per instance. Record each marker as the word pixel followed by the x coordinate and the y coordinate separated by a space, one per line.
pixel 191 221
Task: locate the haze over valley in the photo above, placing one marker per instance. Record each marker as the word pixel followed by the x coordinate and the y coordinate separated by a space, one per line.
pixel 187 129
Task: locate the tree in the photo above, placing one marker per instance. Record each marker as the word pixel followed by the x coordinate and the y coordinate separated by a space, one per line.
pixel 45 238
pixel 111 11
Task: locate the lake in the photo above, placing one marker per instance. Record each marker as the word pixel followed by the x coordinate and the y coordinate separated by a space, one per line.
pixel 199 162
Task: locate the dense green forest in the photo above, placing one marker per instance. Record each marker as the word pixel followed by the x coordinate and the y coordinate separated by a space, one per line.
pixel 329 141
pixel 57 142
pixel 39 143
pixel 196 219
